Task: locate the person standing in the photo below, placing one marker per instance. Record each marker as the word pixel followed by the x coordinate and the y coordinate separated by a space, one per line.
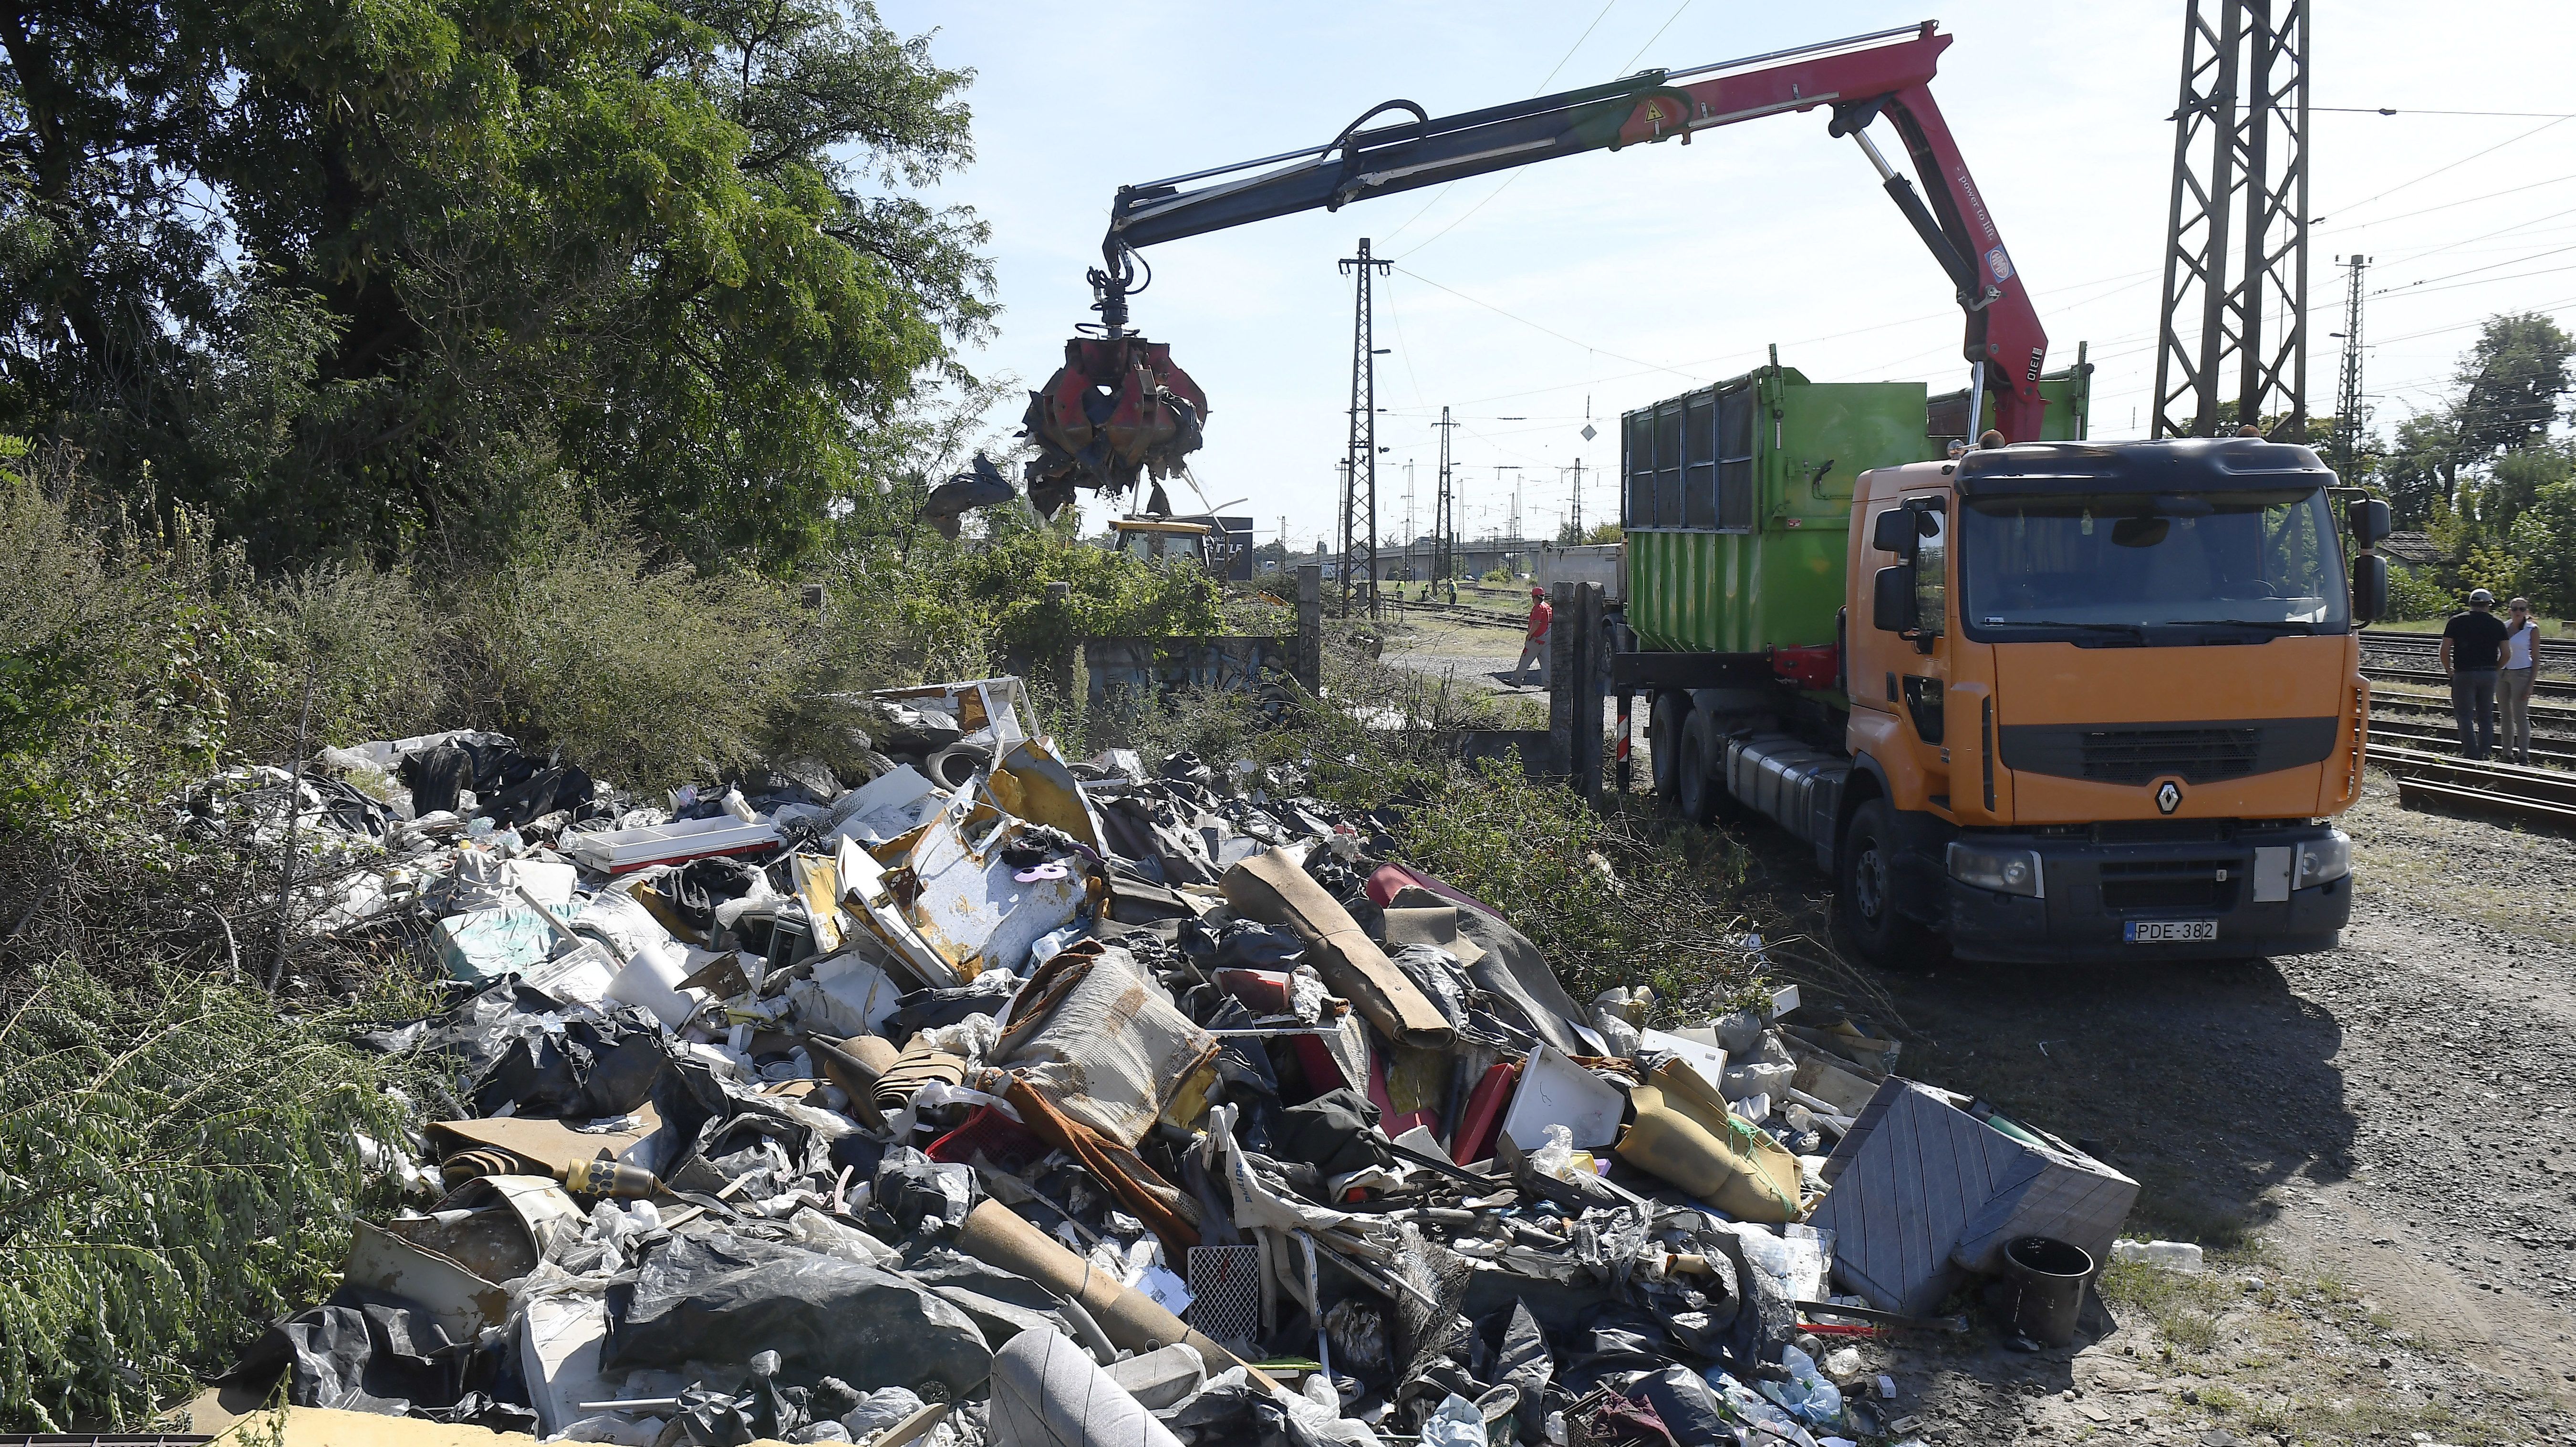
pixel 1534 646
pixel 2472 646
pixel 2513 681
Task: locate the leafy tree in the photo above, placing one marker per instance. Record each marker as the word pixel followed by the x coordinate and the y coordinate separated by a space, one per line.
pixel 2512 382
pixel 2421 469
pixel 2544 538
pixel 327 268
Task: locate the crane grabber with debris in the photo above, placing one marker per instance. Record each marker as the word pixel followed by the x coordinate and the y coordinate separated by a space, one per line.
pixel 1120 409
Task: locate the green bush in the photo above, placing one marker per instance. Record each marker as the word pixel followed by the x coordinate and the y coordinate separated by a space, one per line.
pixel 177 1166
pixel 2412 595
pixel 1611 898
pixel 941 610
pixel 645 675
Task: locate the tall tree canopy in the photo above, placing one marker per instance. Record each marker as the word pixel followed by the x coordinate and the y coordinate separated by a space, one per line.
pixel 346 273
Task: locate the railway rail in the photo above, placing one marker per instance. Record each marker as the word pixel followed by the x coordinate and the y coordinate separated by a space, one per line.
pixel 2531 795
pixel 2433 678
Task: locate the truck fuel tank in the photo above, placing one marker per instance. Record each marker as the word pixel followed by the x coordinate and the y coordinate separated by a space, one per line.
pixel 1791 782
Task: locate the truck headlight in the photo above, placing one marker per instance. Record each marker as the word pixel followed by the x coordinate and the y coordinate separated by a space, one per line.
pixel 2323 859
pixel 2005 871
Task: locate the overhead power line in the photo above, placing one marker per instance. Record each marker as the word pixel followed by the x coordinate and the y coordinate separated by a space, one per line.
pixel 2410 111
pixel 2447 168
pixel 1542 90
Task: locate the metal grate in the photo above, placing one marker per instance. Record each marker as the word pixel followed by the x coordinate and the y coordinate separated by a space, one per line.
pixel 1225 1294
pixel 2134 756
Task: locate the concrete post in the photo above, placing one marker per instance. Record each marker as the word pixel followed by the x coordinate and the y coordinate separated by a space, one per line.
pixel 1310 626
pixel 1587 687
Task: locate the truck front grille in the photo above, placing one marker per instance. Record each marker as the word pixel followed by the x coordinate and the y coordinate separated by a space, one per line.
pixel 2134 756
pixel 2196 753
pixel 2161 884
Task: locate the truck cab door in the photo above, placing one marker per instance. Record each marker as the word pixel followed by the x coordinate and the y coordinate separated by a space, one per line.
pixel 1898 680
pixel 1923 674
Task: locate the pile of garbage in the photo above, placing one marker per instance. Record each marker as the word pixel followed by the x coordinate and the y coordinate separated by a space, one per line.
pixel 1005 1099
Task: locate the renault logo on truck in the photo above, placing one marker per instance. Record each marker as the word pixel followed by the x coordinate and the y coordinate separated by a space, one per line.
pixel 2168 797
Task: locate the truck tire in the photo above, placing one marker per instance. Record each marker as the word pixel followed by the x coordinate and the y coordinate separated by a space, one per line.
pixel 1670 711
pixel 1698 790
pixel 1865 894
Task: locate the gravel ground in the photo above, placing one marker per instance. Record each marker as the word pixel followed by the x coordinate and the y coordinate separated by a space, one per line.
pixel 2378 1143
pixel 2383 1136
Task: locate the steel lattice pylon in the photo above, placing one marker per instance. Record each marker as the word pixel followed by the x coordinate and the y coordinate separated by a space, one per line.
pixel 1359 484
pixel 2236 243
pixel 2349 408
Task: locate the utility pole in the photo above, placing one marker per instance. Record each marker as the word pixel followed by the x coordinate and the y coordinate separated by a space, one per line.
pixel 1410 536
pixel 1444 514
pixel 1359 510
pixel 2236 239
pixel 1578 500
pixel 1342 567
pixel 2347 432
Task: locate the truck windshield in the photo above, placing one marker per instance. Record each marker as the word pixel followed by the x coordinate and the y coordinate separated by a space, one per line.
pixel 2100 561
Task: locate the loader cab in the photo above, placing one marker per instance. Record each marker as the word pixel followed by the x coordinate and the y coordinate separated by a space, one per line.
pixel 1156 539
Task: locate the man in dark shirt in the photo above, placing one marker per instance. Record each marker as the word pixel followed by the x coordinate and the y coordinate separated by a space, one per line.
pixel 2472 647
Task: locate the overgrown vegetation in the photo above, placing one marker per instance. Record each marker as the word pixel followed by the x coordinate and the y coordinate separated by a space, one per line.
pixel 2488 475
pixel 178 1165
pixel 178 1145
pixel 329 271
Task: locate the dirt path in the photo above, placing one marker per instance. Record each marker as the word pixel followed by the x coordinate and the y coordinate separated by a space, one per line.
pixel 2388 1129
pixel 2391 1125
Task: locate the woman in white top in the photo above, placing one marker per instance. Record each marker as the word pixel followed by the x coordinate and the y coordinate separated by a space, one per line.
pixel 2513 684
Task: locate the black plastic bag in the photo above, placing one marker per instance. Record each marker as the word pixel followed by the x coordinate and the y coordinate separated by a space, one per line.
pixel 699 1298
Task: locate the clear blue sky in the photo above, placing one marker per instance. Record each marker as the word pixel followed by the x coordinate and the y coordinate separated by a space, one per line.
pixel 1612 280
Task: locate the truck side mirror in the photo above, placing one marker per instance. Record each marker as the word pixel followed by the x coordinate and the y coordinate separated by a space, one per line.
pixel 1894 532
pixel 1891 605
pixel 2368 519
pixel 2370 584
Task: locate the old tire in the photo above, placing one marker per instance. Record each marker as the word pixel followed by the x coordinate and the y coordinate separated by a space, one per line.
pixel 1698 790
pixel 1865 892
pixel 1669 712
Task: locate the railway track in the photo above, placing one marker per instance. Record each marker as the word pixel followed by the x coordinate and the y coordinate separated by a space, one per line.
pixel 2420 650
pixel 2433 678
pixel 1459 612
pixel 2529 795
pixel 2544 715
pixel 2443 739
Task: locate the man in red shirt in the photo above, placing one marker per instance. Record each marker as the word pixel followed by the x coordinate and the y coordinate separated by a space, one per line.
pixel 1535 647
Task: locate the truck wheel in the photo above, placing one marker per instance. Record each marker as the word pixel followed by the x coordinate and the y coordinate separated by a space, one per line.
pixel 1865 892
pixel 1698 791
pixel 1664 746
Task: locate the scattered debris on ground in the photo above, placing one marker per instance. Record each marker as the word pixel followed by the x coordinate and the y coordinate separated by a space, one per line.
pixel 1004 1098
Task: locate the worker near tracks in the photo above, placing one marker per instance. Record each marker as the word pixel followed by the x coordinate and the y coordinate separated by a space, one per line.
pixel 2513 681
pixel 1534 647
pixel 2472 645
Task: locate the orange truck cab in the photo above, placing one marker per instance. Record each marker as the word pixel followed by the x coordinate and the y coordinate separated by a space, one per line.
pixel 2107 696
pixel 2084 702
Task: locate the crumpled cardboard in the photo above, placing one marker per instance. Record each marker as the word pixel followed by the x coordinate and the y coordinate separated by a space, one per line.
pixel 1273 888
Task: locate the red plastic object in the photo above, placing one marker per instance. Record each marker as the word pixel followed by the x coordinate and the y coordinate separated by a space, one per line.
pixel 1263 992
pixel 1812 667
pixel 1000 1140
pixel 1395 1122
pixel 1322 1073
pixel 1391 879
pixel 1482 1120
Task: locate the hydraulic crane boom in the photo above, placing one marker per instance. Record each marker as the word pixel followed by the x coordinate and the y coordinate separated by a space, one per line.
pixel 1119 404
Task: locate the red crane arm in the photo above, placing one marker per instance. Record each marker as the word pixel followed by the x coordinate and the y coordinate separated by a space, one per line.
pixel 2004 336
pixel 1119 407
